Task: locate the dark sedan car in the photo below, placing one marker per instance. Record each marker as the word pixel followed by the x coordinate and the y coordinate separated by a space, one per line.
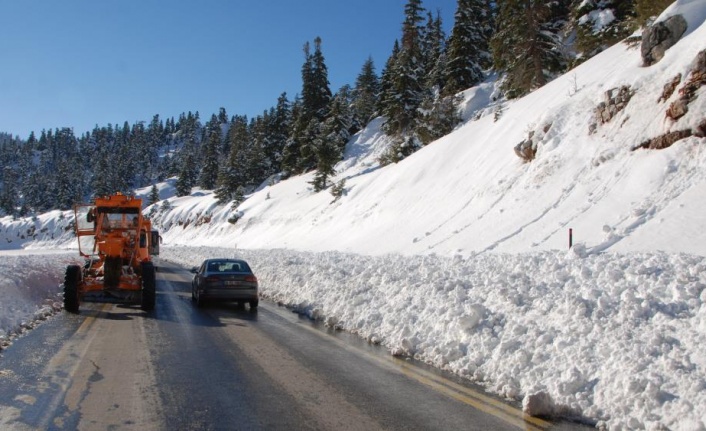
pixel 223 280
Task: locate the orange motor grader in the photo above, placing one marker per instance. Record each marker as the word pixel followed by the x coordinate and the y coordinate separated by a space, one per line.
pixel 117 242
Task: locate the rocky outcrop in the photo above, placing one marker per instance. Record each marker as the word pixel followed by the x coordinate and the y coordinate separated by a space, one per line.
pixel 700 131
pixel 661 36
pixel 679 107
pixel 527 149
pixel 664 141
pixel 615 100
pixel 687 94
pixel 669 88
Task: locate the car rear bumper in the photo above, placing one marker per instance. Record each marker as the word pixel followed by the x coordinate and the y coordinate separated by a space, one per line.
pixel 229 294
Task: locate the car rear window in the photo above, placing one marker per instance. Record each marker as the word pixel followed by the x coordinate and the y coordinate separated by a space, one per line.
pixel 228 267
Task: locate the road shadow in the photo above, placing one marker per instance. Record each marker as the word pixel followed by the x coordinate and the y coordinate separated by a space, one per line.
pixel 227 313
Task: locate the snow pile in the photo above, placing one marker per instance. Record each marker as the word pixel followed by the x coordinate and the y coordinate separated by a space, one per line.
pixel 613 337
pixel 30 288
pixel 619 338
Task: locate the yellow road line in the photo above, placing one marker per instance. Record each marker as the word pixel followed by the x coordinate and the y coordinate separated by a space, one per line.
pixel 454 390
pixel 85 326
pixel 62 367
pixel 473 398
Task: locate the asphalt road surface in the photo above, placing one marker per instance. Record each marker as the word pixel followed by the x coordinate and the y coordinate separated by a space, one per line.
pixel 223 367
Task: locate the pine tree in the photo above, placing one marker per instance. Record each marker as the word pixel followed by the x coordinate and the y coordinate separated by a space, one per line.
pixel 332 139
pixel 439 118
pixel 9 190
pixel 25 167
pixel 299 152
pixel 65 186
pixel 365 95
pixel 290 152
pixel 467 49
pixel 316 94
pixel 400 148
pixel 307 148
pixel 155 140
pixel 254 163
pixel 102 184
pixel 527 44
pixel 437 115
pixel 122 160
pixel 222 116
pixel 387 95
pixel 599 24
pixel 278 128
pixel 33 191
pixel 66 179
pixel 209 166
pixel 341 117
pixel 433 44
pixel 185 181
pixel 154 195
pixel 327 155
pixel 408 74
pixel 188 169
pixel 143 158
pixel 230 175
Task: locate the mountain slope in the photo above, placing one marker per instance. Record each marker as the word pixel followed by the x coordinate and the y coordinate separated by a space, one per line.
pixel 469 192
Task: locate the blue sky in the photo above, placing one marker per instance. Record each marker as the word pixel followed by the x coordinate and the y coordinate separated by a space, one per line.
pixel 81 63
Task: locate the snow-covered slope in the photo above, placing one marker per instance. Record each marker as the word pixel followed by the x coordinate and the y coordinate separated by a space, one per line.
pixel 469 192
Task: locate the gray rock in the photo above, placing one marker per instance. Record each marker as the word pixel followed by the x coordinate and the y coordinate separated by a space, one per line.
pixel 657 39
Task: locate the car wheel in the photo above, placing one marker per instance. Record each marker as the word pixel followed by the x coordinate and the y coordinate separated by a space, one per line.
pixel 254 303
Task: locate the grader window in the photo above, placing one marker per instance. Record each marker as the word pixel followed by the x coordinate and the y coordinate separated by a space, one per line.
pixel 118 218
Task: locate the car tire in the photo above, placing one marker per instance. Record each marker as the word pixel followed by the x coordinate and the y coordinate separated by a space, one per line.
pixel 254 303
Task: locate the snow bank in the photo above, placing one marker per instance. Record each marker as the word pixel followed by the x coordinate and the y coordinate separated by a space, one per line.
pixel 30 289
pixel 619 338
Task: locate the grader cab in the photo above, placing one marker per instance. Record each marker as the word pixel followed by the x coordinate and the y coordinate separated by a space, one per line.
pixel 117 242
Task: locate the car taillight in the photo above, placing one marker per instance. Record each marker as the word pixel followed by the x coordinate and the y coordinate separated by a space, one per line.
pixel 251 278
pixel 212 279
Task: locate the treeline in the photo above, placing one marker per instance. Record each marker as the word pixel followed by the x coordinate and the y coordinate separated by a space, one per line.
pixel 527 42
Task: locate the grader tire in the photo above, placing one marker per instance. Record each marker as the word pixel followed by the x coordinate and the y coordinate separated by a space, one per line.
pixel 149 286
pixel 72 279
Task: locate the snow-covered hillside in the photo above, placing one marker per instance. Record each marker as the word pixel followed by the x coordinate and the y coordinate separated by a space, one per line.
pixel 459 255
pixel 470 193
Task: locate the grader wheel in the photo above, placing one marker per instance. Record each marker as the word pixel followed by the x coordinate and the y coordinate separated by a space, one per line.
pixel 71 282
pixel 149 286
